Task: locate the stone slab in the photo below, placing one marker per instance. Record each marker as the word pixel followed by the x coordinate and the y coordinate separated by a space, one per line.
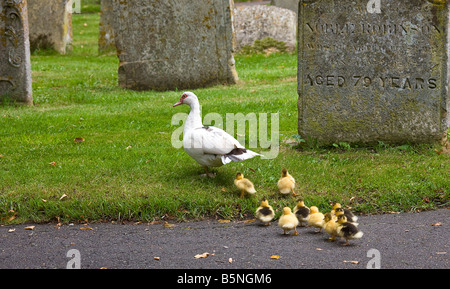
pixel 50 23
pixel 106 42
pixel 174 44
pixel 15 67
pixel 255 22
pixel 373 71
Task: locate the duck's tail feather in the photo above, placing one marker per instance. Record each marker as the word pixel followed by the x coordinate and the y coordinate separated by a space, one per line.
pixel 238 154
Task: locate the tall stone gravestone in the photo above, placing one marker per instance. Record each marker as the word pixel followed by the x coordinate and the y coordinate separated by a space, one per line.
pixel 106 41
pixel 50 24
pixel 373 70
pixel 171 44
pixel 15 68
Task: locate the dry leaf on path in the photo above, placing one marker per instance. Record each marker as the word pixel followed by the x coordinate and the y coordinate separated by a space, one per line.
pixel 157 258
pixel 169 225
pixel 353 262
pixel 11 230
pixel 30 228
pixel 204 255
pixel 276 257
pixel 436 224
pixel 223 221
pixel 230 260
pixel 86 228
pixel 249 221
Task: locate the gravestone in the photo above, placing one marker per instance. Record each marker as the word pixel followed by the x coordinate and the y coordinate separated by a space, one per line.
pixel 15 68
pixel 373 71
pixel 50 23
pixel 256 22
pixel 174 44
pixel 106 41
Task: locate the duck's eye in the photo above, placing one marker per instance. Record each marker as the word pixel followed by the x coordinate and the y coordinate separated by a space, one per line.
pixel 184 96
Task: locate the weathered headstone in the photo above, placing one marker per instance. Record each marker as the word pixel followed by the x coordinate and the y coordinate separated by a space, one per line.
pixel 373 71
pixel 287 4
pixel 106 41
pixel 256 22
pixel 15 68
pixel 50 23
pixel 174 44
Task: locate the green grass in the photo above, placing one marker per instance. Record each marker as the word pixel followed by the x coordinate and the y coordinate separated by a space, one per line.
pixel 127 169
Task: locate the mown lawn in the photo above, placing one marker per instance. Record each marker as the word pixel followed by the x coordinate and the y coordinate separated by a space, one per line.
pixel 127 169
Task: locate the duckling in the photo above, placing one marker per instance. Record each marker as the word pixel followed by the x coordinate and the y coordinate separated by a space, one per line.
pixel 347 230
pixel 245 185
pixel 286 184
pixel 315 218
pixel 288 221
pixel 350 216
pixel 302 212
pixel 330 226
pixel 265 212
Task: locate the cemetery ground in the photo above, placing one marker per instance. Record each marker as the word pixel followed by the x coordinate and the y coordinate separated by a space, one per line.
pixel 89 151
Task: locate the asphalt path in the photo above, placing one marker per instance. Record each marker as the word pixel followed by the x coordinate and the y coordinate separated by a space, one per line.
pixel 406 240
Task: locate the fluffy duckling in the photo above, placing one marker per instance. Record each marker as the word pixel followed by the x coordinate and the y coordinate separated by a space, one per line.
pixel 350 216
pixel 243 184
pixel 315 218
pixel 347 230
pixel 288 221
pixel 330 226
pixel 265 212
pixel 302 212
pixel 286 184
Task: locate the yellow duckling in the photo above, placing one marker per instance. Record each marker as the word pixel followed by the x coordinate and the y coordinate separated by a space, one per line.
pixel 302 212
pixel 286 184
pixel 243 184
pixel 330 226
pixel 347 230
pixel 265 212
pixel 288 221
pixel 315 218
pixel 350 217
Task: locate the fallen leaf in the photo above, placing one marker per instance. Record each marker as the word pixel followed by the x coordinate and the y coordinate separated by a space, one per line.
pixel 128 147
pixel 441 253
pixel 230 260
pixel 224 190
pixel 62 197
pixel 78 139
pixel 223 221
pixel 30 228
pixel 204 255
pixel 353 262
pixel 276 257
pixel 86 228
pixel 168 225
pixel 44 200
pixel 249 221
pixel 11 230
pixel 53 164
pixel 319 249
pixel 155 222
pixel 157 258
pixel 436 224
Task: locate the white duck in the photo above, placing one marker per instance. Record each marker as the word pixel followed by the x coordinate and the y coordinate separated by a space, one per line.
pixel 209 146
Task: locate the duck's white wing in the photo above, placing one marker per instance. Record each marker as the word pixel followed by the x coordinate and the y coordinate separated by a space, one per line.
pixel 215 141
